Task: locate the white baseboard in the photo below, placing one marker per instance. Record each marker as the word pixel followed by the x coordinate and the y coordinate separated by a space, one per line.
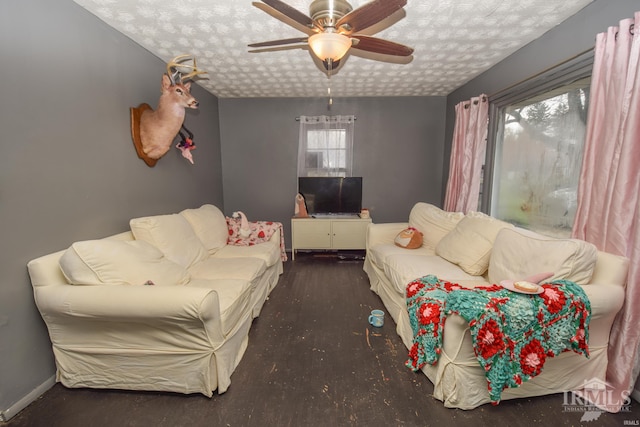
pixel 10 412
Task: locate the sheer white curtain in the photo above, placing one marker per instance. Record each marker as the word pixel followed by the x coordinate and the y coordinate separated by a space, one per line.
pixel 608 213
pixel 467 155
pixel 326 146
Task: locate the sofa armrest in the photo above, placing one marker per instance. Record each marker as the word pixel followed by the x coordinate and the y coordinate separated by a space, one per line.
pixel 384 233
pixel 610 268
pixel 606 301
pixel 275 237
pixel 178 316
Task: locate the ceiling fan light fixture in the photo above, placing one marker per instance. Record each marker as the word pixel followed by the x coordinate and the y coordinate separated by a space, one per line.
pixel 329 45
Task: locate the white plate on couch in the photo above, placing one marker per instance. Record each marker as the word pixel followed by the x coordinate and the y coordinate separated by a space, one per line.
pixel 509 284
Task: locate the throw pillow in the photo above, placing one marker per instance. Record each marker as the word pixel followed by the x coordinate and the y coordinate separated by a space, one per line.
pixel 520 253
pixel 409 238
pixel 538 277
pixel 433 222
pixel 209 224
pixel 469 244
pixel 117 262
pixel 173 235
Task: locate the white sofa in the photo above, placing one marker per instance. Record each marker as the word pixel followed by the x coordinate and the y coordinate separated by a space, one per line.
pixel 477 250
pixel 165 306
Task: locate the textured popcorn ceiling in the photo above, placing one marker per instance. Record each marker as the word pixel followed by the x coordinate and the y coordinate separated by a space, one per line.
pixel 454 41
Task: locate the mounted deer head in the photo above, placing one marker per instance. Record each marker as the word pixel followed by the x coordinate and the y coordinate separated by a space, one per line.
pixel 154 130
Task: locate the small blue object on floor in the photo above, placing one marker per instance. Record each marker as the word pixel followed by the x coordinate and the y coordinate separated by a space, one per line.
pixel 376 318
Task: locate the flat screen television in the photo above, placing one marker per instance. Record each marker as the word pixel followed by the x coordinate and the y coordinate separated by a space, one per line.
pixel 331 195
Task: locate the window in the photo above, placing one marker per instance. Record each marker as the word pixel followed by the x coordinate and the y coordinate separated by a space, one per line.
pixel 537 133
pixel 325 146
pixel 326 150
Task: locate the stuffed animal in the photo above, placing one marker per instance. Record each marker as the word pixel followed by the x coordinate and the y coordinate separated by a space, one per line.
pixel 409 238
pixel 245 231
pixel 301 207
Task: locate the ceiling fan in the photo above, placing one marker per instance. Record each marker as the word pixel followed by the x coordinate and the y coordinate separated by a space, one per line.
pixel 333 28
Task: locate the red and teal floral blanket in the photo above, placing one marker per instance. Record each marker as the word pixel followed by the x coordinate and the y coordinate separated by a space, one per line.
pixel 513 334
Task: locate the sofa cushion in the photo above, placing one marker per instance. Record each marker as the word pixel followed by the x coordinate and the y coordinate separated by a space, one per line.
pixel 117 262
pixel 469 243
pixel 378 254
pixel 234 296
pixel 405 268
pixel 520 253
pixel 433 222
pixel 173 235
pixel 210 225
pixel 268 251
pixel 228 268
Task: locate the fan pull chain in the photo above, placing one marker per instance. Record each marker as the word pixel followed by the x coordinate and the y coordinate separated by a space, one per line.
pixel 330 68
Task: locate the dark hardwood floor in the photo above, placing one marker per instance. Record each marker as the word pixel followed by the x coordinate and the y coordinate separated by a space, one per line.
pixel 312 360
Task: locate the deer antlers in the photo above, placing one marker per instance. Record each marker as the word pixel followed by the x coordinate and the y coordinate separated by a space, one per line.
pixel 178 71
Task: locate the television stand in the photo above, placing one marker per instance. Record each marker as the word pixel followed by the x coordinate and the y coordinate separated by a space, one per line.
pixel 330 232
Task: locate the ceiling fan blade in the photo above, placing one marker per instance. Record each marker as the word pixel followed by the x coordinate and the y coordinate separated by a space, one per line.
pixel 389 59
pixel 279 42
pixel 387 22
pixel 291 13
pixel 368 14
pixel 376 45
pixel 280 48
pixel 283 18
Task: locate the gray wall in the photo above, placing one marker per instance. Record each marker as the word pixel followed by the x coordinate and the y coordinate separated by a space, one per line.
pixel 572 37
pixel 398 150
pixel 68 168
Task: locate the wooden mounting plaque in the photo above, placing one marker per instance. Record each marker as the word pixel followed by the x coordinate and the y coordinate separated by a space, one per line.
pixel 136 113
